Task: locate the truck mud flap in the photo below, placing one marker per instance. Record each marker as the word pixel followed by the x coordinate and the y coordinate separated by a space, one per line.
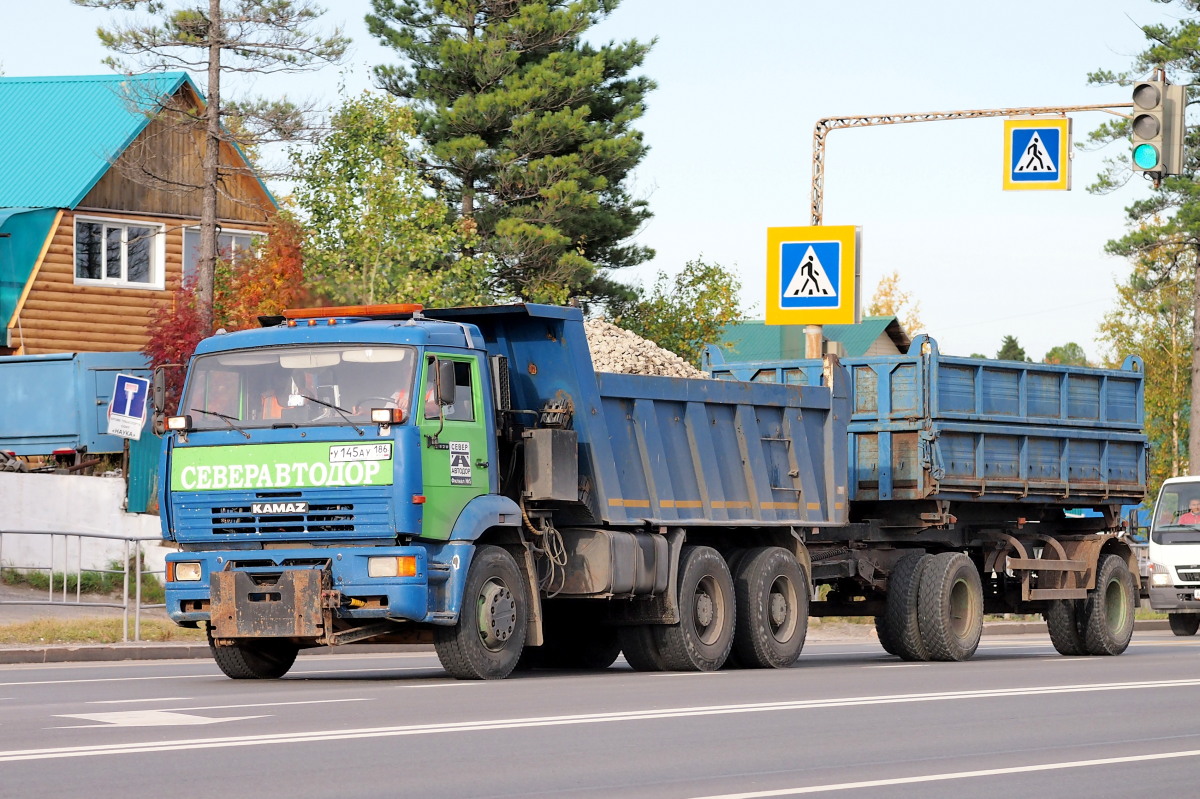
pixel 279 605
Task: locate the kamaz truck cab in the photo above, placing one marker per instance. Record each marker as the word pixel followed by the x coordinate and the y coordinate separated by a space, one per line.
pixel 328 476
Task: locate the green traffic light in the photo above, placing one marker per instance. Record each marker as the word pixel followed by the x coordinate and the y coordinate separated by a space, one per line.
pixel 1145 156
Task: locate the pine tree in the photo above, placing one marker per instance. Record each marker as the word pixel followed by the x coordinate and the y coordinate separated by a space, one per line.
pixel 1011 350
pixel 529 134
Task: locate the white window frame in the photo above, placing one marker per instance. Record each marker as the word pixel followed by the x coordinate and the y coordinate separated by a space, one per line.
pixel 158 253
pixel 221 231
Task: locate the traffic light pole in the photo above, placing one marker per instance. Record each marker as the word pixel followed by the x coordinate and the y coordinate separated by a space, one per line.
pixel 825 126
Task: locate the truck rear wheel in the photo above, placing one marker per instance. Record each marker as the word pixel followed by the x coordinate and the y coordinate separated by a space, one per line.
pixel 639 648
pixel 1183 624
pixel 1064 620
pixel 950 607
pixel 487 641
pixel 268 659
pixel 703 638
pixel 772 609
pixel 1108 610
pixel 903 632
pixel 577 638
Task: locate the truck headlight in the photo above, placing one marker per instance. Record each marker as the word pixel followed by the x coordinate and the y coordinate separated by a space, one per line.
pixel 403 566
pixel 1160 575
pixel 183 572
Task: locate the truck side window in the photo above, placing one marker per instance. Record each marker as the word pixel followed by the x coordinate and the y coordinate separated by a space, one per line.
pixel 463 409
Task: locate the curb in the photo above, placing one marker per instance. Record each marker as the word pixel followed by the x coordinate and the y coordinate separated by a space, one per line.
pixel 96 653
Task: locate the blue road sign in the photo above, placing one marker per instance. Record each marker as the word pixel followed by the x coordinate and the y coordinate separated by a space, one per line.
pixel 1037 153
pixel 129 396
pixel 810 274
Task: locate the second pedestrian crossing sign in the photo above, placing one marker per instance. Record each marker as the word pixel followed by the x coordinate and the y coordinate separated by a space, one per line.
pixel 1037 153
pixel 811 275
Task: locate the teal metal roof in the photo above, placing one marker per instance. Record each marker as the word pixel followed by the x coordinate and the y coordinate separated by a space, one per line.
pixel 754 340
pixel 23 231
pixel 59 135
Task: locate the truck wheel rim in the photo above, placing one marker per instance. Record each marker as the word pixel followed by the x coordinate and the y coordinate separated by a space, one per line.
pixel 962 608
pixel 781 606
pixel 1115 606
pixel 497 614
pixel 708 613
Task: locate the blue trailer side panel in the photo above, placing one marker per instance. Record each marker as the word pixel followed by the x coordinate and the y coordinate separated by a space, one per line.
pixel 925 426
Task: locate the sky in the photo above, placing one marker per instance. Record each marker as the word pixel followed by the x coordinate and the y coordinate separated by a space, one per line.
pixel 730 129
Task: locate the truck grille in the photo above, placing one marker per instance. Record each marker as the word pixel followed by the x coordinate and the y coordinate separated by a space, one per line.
pixel 319 519
pixel 328 513
pixel 1188 574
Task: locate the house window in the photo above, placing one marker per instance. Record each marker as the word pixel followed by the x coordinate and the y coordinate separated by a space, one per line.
pixel 229 244
pixel 123 253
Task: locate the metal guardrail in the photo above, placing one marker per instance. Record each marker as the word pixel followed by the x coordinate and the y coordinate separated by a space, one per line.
pixel 60 545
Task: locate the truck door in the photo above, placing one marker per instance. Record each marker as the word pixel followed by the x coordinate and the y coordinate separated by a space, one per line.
pixel 454 445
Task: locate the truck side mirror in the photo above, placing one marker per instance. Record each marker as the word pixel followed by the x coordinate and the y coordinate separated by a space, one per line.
pixel 445 382
pixel 158 390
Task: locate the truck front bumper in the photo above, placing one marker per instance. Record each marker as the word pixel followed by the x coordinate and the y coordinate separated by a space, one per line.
pixel 425 596
pixel 1175 597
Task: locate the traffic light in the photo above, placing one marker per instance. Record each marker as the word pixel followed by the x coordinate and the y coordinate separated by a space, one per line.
pixel 1158 110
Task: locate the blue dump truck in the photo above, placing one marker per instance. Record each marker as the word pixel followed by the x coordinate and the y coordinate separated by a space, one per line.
pixel 465 477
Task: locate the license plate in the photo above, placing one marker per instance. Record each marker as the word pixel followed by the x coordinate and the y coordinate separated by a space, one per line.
pixel 346 453
pixel 277 508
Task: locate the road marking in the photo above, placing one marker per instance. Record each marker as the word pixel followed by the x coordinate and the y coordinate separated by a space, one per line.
pixel 209 676
pixel 558 721
pixel 131 701
pixel 143 718
pixel 955 775
pixel 167 717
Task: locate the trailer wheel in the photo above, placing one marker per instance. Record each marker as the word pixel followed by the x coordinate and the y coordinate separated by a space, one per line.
pixel 487 641
pixel 639 648
pixel 1108 610
pixel 900 611
pixel 703 638
pixel 266 659
pixel 1064 620
pixel 1183 624
pixel 950 607
pixel 772 609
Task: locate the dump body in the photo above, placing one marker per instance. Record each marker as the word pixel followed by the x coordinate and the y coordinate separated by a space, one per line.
pixel 670 451
pixel 931 427
pixel 59 403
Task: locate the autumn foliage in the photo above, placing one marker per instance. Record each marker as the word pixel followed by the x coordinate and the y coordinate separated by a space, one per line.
pixel 247 285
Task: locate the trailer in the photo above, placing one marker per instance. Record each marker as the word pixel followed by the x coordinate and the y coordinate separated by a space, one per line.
pixel 966 480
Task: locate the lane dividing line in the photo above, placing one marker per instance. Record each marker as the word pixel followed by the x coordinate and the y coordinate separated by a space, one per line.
pixel 955 775
pixel 556 721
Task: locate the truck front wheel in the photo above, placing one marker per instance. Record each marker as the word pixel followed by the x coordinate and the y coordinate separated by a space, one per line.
pixel 702 639
pixel 266 659
pixel 772 609
pixel 1183 623
pixel 487 641
pixel 1108 610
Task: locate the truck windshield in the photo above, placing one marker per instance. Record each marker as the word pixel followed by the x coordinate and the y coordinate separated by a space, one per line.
pixel 1177 516
pixel 302 386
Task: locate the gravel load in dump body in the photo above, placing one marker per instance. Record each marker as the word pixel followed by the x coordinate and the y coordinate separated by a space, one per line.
pixel 615 349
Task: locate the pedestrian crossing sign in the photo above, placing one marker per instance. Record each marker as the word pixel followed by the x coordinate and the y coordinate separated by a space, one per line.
pixel 1037 153
pixel 812 275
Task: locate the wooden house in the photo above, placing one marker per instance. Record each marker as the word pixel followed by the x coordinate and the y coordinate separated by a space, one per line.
pixel 100 207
